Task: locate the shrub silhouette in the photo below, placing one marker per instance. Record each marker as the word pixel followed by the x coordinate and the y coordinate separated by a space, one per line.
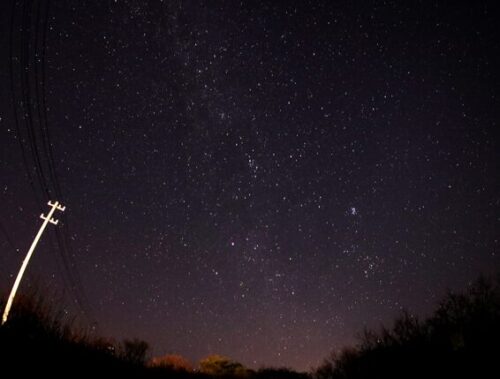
pixel 40 339
pixel 460 339
pixel 217 365
pixel 172 362
pixel 134 351
pixel 279 373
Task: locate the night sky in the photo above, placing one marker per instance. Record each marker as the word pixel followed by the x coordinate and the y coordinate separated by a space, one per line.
pixel 255 179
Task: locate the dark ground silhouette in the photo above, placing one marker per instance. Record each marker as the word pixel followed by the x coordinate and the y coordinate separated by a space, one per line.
pixel 460 339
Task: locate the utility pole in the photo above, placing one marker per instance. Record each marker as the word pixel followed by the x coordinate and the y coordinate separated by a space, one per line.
pixel 47 219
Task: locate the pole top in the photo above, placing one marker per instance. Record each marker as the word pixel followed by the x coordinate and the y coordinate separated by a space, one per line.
pixel 57 205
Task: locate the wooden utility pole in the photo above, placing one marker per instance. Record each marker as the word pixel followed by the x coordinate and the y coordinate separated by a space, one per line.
pixel 46 219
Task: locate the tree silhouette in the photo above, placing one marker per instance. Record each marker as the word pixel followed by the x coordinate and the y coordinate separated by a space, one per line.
pixel 173 362
pixel 460 339
pixel 134 351
pixel 221 366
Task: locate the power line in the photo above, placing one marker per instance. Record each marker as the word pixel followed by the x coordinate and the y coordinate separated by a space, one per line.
pixel 40 90
pixel 64 240
pixel 9 240
pixel 26 101
pixel 34 114
pixel 39 95
pixel 14 104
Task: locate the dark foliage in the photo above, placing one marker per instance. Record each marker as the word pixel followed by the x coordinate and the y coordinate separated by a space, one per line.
pixel 280 373
pixel 134 351
pixel 461 339
pixel 39 340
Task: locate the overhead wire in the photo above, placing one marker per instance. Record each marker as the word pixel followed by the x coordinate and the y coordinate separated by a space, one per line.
pixel 63 232
pixel 26 99
pixel 40 145
pixel 8 238
pixel 40 90
pixel 20 136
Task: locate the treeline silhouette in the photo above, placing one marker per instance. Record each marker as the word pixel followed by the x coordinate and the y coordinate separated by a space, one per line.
pixel 460 339
pixel 39 339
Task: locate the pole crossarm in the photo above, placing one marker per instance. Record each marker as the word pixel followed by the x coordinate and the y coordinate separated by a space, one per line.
pixel 51 220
